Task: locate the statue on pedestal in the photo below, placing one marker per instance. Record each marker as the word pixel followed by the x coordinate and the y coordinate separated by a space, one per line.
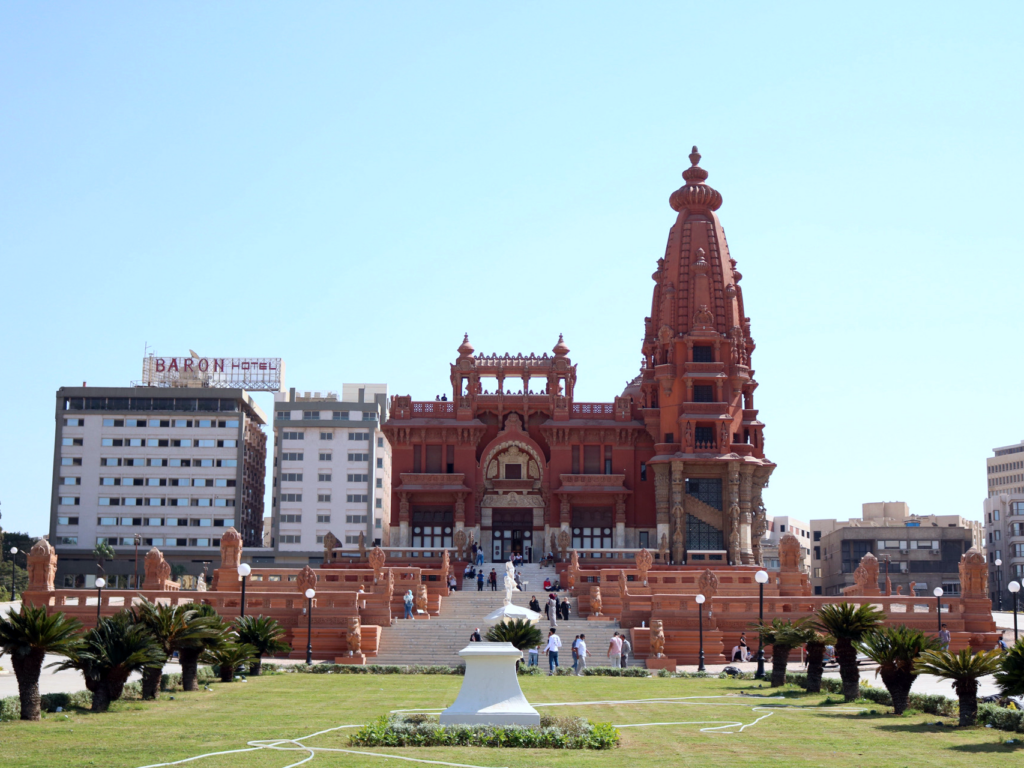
pixel 595 600
pixel 657 639
pixel 353 635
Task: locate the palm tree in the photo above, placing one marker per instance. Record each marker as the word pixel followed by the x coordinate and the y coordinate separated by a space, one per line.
pixel 230 656
pixel 101 552
pixel 896 650
pixel 848 624
pixel 1010 676
pixel 265 635
pixel 783 635
pixel 176 628
pixel 964 669
pixel 110 652
pixel 205 616
pixel 520 632
pixel 816 659
pixel 27 636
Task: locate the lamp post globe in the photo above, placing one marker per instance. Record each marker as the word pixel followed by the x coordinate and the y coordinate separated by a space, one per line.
pixel 700 614
pixel 100 584
pixel 938 607
pixel 310 594
pixel 761 577
pixel 244 569
pixel 1014 587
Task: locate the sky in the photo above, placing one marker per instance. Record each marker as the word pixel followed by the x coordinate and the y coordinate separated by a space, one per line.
pixel 353 186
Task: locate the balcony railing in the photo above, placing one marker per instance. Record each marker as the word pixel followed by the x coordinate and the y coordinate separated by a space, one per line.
pixel 434 407
pixel 593 410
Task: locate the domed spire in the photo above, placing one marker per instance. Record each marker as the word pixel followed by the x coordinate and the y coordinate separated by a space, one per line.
pixel 465 348
pixel 695 195
pixel 560 350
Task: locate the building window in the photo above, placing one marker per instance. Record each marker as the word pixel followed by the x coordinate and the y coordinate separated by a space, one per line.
pixel 359 457
pixel 291 497
pixel 380 442
pixel 644 539
pixel 643 471
pixel 706 489
pixel 703 353
pixel 292 457
pixel 323 477
pixel 293 435
pixel 701 535
pixel 380 482
pixel 69 501
pixel 291 538
pixel 291 477
pixel 704 437
pixel 379 503
pixel 323 518
pixel 325 455
pixel 358 478
pixel 817 535
pixel 817 553
pixel 380 463
pixel 310 415
pixel 703 393
pixel 356 498
pixel 291 518
pixel 355 519
pixel 358 436
pixel 351 539
pixel 326 435
pixel 77 462
pixel 71 441
pixel 323 497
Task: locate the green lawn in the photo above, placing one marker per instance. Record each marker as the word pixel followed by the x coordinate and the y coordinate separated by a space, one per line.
pixel 794 731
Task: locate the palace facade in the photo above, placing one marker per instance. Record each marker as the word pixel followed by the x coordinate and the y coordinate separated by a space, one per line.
pixel 675 463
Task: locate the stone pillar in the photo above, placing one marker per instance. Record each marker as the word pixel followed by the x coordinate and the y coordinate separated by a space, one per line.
pixel 662 485
pixel 404 534
pixel 746 493
pixel 460 511
pixel 678 517
pixel 620 522
pixel 732 517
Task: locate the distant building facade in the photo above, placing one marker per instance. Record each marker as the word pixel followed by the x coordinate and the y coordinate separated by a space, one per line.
pixel 172 466
pixel 1004 519
pixel 331 472
pixel 920 549
pixel 777 528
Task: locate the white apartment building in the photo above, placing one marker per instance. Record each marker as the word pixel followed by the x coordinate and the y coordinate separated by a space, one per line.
pixel 1004 520
pixel 138 467
pixel 777 528
pixel 331 472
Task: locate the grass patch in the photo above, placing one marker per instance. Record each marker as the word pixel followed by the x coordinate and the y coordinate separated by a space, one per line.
pixel 797 731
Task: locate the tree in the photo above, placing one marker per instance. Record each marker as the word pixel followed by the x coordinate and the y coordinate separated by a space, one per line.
pixel 265 635
pixel 964 669
pixel 896 650
pixel 230 657
pixel 783 635
pixel 1010 676
pixel 20 578
pixel 521 633
pixel 101 552
pixel 27 636
pixel 816 659
pixel 848 624
pixel 176 628
pixel 205 616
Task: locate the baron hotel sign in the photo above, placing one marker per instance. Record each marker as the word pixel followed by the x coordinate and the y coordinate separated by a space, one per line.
pixel 253 373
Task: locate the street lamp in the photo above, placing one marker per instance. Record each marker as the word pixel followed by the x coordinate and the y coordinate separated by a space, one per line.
pixel 938 606
pixel 244 570
pixel 761 577
pixel 138 540
pixel 14 556
pixel 700 614
pixel 999 582
pixel 1014 587
pixel 310 594
pixel 100 584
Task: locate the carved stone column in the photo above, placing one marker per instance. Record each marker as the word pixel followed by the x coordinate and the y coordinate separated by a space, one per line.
pixel 403 520
pixel 661 499
pixel 732 517
pixel 564 513
pixel 746 483
pixel 620 521
pixel 678 512
pixel 460 511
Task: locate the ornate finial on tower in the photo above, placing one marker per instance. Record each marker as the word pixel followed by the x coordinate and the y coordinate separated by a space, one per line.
pixel 695 195
pixel 560 348
pixel 465 348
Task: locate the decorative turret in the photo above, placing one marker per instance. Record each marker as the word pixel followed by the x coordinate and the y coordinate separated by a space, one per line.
pixel 465 348
pixel 695 194
pixel 560 349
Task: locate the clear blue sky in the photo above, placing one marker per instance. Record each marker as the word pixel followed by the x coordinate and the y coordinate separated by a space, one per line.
pixel 353 186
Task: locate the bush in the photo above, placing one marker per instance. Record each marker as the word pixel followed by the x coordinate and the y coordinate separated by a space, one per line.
pixel 615 672
pixel 526 671
pixel 1001 717
pixel 425 731
pixel 376 669
pixel 172 681
pixel 929 704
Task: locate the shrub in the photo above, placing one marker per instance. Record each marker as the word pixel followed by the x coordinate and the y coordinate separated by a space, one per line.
pixel 929 704
pixel 1001 717
pixel 615 672
pixel 424 731
pixel 172 681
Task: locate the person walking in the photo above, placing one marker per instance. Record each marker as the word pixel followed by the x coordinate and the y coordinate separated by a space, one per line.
pixel 581 652
pixel 480 581
pixel 552 610
pixel 534 655
pixel 564 609
pixel 493 578
pixel 554 643
pixel 575 654
pixel 475 637
pixel 480 557
pixel 615 649
pixel 945 637
pixel 408 600
pixel 534 604
pixel 627 648
pixel 453 583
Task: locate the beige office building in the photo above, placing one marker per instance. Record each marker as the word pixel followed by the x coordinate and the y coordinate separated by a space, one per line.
pixel 1004 520
pixel 779 527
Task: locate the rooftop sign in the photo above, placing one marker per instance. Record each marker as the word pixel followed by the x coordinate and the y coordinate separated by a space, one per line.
pixel 265 374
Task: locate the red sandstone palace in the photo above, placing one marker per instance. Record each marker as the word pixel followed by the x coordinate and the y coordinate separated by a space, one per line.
pixel 675 463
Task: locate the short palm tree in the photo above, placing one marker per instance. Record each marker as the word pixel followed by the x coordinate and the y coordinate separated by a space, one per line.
pixel 816 659
pixel 205 616
pixel 229 657
pixel 1010 676
pixel 848 624
pixel 896 650
pixel 176 628
pixel 110 652
pixel 783 635
pixel 265 635
pixel 27 636
pixel 964 669
pixel 520 632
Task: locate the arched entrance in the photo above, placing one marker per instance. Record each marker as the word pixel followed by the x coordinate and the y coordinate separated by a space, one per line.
pixel 512 533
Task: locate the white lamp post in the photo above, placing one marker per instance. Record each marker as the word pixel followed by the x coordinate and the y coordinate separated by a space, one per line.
pixel 100 584
pixel 244 570
pixel 938 606
pixel 1014 587
pixel 700 613
pixel 999 582
pixel 310 594
pixel 761 577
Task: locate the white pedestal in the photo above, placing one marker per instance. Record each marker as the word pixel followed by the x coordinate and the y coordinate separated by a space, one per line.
pixel 490 693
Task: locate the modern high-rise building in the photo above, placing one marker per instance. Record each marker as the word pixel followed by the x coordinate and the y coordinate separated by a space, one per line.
pixel 778 527
pixel 332 472
pixel 1004 520
pixel 138 467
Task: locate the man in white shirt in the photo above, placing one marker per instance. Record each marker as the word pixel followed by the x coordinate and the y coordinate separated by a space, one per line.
pixel 554 643
pixel 581 650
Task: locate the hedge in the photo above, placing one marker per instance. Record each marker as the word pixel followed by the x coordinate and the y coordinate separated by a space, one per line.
pixel 172 681
pixel 10 707
pixel 616 672
pixel 929 704
pixel 1001 717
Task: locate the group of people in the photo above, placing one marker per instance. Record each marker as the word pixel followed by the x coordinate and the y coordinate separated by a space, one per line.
pixel 619 649
pixel 553 609
pixel 551 586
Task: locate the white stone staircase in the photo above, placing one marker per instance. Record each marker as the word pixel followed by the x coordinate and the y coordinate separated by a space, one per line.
pixel 439 639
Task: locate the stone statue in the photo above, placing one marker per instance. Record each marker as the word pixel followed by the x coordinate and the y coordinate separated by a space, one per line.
pixel 572 573
pixel 155 572
pixel 643 561
pixel 230 549
pixel 789 553
pixel 623 583
pixel 911 593
pixel 420 598
pixel 201 583
pixel 865 578
pixel 657 639
pixel 554 544
pixel 460 545
pixel 330 542
pixel 595 600
pixel 734 546
pixel 663 549
pixel 677 546
pixel 306 579
pixel 899 590
pixel 362 546
pixel 708 584
pixel 446 565
pixel 973 575
pixel 353 635
pixel 377 558
pixel 564 540
pixel 42 566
